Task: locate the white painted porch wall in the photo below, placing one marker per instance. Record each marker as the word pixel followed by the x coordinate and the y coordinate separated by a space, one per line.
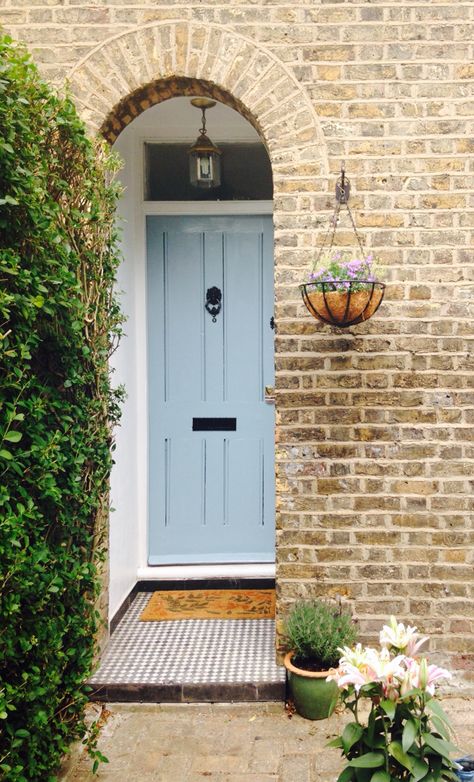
pixel 123 538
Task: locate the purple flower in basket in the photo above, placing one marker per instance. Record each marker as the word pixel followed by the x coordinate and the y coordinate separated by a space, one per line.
pixel 343 269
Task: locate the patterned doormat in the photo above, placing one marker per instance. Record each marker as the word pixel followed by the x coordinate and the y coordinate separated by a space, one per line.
pixel 210 604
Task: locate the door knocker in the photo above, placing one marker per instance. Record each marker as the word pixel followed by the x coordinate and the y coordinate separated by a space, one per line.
pixel 213 303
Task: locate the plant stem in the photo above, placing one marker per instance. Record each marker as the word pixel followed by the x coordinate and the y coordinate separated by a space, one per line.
pixel 382 714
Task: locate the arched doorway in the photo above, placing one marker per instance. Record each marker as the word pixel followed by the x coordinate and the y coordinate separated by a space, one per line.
pixel 144 66
pixel 193 482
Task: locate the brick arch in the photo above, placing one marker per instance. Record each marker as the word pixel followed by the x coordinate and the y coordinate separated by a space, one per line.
pixel 134 70
pixel 163 89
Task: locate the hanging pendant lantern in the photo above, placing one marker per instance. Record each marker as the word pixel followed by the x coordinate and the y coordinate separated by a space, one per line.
pixel 204 156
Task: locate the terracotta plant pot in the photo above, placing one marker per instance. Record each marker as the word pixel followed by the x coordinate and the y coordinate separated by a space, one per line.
pixel 342 308
pixel 314 698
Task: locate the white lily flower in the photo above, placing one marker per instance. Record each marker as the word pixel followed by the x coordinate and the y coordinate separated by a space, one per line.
pixel 397 636
pixel 356 656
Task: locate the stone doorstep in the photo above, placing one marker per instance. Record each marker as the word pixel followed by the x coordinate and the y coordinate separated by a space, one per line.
pixel 218 692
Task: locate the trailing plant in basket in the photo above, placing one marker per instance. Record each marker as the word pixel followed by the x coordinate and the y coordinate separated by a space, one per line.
pixel 58 324
pixel 341 269
pixel 406 736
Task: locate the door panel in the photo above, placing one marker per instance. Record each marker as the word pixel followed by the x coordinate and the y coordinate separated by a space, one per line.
pixel 211 492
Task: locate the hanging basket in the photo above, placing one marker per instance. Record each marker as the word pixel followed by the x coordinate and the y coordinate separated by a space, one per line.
pixel 330 296
pixel 355 304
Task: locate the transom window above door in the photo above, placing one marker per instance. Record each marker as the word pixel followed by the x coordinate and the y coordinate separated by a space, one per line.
pixel 245 173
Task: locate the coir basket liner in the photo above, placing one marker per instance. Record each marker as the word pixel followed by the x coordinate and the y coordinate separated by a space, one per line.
pixel 342 307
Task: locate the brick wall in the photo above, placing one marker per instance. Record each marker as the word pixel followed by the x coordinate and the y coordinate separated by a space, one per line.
pixel 375 449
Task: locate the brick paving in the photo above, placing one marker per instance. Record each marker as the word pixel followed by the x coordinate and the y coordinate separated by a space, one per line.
pixel 245 742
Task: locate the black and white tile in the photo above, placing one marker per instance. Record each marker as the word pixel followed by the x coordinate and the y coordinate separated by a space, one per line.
pixel 190 659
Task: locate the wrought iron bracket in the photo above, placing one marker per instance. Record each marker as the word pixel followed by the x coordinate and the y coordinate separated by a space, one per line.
pixel 343 187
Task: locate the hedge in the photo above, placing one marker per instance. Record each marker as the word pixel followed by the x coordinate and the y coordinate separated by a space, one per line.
pixel 59 322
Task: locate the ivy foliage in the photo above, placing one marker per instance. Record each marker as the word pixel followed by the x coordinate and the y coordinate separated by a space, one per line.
pixel 58 324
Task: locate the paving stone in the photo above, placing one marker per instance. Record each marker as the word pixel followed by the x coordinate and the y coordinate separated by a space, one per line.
pixel 225 743
pixel 220 763
pixel 264 757
pixel 294 768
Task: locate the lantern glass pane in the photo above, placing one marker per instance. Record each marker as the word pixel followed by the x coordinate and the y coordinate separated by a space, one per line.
pixel 204 167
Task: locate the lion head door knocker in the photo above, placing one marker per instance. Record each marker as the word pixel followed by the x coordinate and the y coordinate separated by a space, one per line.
pixel 213 303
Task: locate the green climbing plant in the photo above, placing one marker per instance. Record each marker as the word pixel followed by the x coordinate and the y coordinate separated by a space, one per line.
pixel 59 322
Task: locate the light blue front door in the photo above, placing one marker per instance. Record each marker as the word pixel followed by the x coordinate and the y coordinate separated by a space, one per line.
pixel 211 452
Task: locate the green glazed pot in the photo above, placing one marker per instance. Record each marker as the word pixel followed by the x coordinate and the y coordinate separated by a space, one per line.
pixel 313 696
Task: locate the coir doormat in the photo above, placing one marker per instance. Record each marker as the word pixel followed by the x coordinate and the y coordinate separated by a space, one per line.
pixel 210 604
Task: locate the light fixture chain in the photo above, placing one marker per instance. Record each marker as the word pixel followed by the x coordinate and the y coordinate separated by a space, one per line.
pixel 203 120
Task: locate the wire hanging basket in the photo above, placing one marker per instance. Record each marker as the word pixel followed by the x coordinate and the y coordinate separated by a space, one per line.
pixel 336 300
pixel 346 307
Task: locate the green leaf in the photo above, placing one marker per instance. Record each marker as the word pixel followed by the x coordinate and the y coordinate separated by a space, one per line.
pixel 13 437
pixel 351 734
pixel 420 769
pixel 389 708
pixel 6 454
pixel 337 743
pixel 410 732
pixel 441 727
pixel 22 733
pixel 380 776
pixel 346 776
pixel 369 760
pixel 442 747
pixel 396 751
pixel 435 707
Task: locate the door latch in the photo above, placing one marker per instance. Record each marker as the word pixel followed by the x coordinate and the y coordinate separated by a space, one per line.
pixel 270 394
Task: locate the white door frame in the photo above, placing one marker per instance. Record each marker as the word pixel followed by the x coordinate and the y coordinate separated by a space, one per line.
pixel 142 209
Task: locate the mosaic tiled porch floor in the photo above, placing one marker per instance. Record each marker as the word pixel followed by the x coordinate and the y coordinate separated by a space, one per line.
pixel 205 660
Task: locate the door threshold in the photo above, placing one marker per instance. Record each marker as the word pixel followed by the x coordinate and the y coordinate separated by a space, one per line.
pixel 206 571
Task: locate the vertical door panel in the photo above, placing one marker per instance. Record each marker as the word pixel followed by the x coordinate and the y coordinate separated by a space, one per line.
pixel 244 317
pixel 183 317
pixel 246 492
pixel 213 330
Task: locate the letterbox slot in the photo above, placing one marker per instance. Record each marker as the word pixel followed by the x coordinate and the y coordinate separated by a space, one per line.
pixel 214 424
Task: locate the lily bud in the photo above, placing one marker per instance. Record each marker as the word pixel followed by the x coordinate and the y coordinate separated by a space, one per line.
pixel 423 674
